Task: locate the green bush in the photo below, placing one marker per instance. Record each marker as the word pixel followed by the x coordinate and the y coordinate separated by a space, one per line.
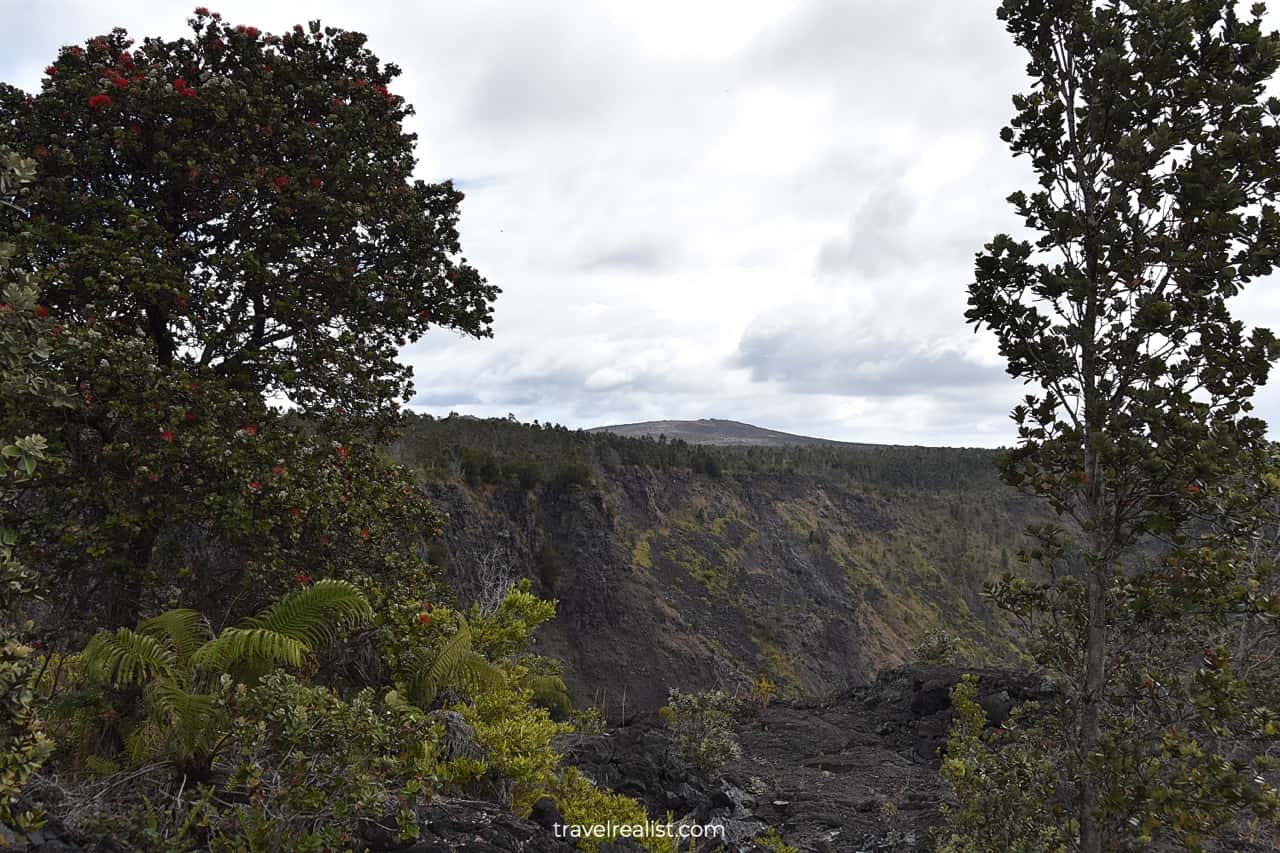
pixel 937 646
pixel 1002 784
pixel 702 727
pixel 570 476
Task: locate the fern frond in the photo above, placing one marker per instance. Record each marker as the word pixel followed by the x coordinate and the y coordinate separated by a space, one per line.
pixel 456 665
pixel 476 674
pixel 431 676
pixel 316 615
pixel 185 630
pixel 191 722
pixel 255 648
pixel 125 657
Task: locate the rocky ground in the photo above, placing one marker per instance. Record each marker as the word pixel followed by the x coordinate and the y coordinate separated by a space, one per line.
pixel 856 771
pixel 853 772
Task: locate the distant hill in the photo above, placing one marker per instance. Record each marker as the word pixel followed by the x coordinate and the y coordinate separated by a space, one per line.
pixel 721 433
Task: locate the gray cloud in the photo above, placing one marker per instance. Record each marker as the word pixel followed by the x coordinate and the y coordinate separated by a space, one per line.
pixel 829 359
pixel 642 256
pixel 733 208
pixel 878 235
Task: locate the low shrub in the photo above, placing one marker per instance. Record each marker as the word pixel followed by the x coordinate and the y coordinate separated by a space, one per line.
pixel 702 727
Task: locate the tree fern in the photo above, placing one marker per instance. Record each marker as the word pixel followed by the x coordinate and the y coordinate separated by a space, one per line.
pixel 185 630
pixel 194 718
pixel 125 657
pixel 455 665
pixel 173 656
pixel 249 652
pixel 317 614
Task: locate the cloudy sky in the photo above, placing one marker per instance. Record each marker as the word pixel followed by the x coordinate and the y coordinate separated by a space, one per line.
pixel 763 210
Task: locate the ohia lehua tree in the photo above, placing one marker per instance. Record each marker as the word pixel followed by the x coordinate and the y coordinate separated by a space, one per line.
pixel 221 223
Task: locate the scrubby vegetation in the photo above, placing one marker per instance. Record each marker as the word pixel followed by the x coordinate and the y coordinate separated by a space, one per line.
pixel 702 725
pixel 221 631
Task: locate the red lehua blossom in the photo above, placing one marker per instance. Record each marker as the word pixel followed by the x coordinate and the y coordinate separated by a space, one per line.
pixel 52 71
pixel 277 471
pixel 181 302
pixel 202 10
pixel 424 618
pixel 217 16
pixel 364 533
pixel 302 580
pixel 281 181
pixel 295 511
pixel 75 50
pixel 317 183
pixel 426 605
pixel 326 540
pixel 126 59
pixel 40 311
pixel 342 452
pixel 167 436
pixel 249 429
pixel 194 387
pixel 100 101
pixel 239 28
pixel 1192 489
pixel 190 417
pixel 254 485
pixel 189 93
pixel 119 82
pixel 57 330
pixel 179 84
pixel 297 28
pixel 251 32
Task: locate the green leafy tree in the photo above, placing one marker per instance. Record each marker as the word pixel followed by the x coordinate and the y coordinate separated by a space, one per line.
pixel 1155 149
pixel 226 221
pixel 246 202
pixel 25 379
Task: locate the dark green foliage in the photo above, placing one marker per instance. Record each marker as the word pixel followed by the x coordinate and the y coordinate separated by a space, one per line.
pixel 216 231
pixel 503 449
pixel 570 476
pixel 1156 151
pixel 246 201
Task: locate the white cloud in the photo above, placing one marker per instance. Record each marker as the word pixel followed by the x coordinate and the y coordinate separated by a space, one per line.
pixel 760 210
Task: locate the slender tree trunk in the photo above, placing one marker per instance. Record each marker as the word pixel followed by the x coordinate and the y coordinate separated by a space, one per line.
pixel 1097 582
pixel 1090 700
